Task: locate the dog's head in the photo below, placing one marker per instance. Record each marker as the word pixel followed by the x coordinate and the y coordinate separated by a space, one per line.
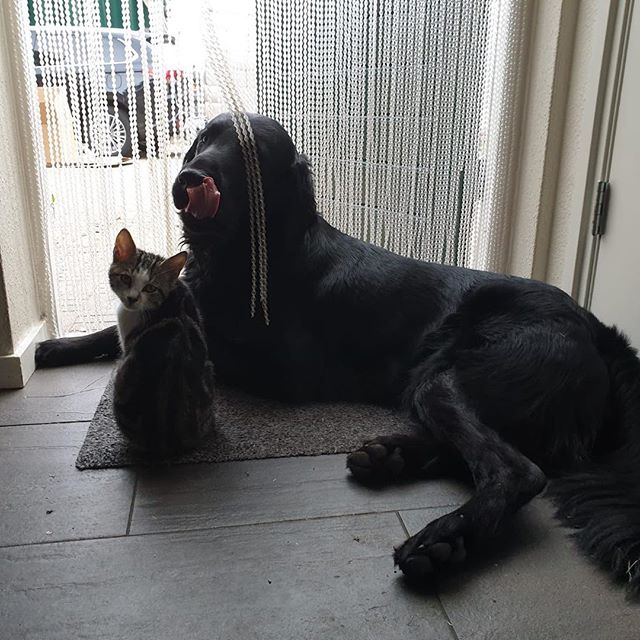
pixel 211 193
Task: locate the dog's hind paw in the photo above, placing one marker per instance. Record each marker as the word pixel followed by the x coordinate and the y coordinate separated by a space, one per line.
pixel 374 461
pixel 390 457
pixel 437 548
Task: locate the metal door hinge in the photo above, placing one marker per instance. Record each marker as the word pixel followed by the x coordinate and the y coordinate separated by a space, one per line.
pixel 601 209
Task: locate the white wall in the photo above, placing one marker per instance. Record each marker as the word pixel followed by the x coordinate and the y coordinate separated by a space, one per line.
pixel 20 315
pixel 568 68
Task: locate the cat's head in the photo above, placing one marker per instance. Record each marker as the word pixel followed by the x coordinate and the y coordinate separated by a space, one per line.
pixel 142 280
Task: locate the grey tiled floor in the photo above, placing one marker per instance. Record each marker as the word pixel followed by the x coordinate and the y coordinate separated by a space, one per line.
pixel 281 549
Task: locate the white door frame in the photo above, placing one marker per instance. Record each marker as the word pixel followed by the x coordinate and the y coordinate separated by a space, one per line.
pixel 573 70
pixel 604 152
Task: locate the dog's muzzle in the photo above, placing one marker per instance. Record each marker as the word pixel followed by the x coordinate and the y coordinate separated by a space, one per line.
pixel 197 194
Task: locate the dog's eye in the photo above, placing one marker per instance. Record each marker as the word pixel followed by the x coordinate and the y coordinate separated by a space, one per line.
pixel 149 288
pixel 203 139
pixel 125 279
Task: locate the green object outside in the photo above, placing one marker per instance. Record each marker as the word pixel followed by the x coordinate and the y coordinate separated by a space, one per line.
pixel 115 12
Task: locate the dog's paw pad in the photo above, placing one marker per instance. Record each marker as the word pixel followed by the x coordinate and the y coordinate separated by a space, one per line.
pixel 424 554
pixel 417 567
pixel 440 551
pixel 375 460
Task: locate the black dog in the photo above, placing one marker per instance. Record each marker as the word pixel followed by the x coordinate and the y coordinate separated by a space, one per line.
pixel 508 376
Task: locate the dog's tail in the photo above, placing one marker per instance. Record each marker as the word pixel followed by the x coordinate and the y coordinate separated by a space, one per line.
pixel 602 499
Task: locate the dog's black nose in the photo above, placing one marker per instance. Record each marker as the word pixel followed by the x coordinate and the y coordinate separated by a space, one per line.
pixel 189 177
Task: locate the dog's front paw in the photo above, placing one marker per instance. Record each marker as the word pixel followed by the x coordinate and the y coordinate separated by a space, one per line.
pixel 47 354
pixel 439 547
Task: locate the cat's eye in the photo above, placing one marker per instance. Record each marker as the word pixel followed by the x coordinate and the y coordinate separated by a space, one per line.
pixel 149 288
pixel 125 279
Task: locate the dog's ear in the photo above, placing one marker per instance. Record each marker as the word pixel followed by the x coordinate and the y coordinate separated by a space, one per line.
pixel 191 153
pixel 303 179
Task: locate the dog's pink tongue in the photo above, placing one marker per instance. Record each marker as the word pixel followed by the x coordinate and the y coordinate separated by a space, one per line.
pixel 204 200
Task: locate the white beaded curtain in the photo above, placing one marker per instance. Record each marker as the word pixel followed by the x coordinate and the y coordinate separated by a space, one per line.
pixel 407 110
pixel 113 94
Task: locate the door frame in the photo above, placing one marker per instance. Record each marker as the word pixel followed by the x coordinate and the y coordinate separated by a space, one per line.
pixel 573 70
pixel 603 153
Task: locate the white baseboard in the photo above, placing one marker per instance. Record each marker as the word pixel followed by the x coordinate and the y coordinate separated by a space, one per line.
pixel 17 368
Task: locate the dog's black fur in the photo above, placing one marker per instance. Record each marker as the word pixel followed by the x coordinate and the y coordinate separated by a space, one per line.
pixel 506 375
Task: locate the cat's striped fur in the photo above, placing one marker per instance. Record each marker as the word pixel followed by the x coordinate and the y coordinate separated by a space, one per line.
pixel 164 385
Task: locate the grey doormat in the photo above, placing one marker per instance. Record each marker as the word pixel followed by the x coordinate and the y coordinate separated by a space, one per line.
pixel 249 428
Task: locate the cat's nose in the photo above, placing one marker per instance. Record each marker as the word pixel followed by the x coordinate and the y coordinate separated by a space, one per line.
pixel 132 299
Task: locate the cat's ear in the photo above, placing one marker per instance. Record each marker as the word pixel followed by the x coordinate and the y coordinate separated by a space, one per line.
pixel 173 266
pixel 125 249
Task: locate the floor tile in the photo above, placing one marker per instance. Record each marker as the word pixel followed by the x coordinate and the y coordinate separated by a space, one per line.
pixel 44 497
pixel 66 394
pixel 535 587
pixel 326 578
pixel 65 381
pixel 209 495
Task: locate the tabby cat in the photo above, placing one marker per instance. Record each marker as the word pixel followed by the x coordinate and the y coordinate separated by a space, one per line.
pixel 164 387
